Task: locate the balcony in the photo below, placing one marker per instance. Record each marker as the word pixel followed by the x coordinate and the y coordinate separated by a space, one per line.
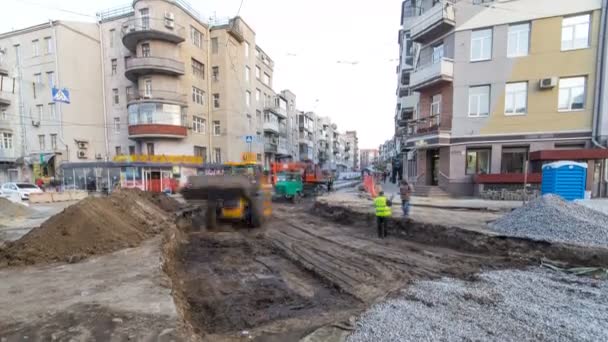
pixel 306 154
pixel 275 108
pixel 433 23
pixel 270 147
pixel 5 98
pixel 8 155
pixel 271 126
pixel 433 74
pixel 140 66
pixel 426 125
pixel 3 70
pixel 138 29
pixel 157 131
pixel 163 96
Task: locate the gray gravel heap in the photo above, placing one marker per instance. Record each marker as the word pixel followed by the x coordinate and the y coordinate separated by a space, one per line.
pixel 550 218
pixel 511 305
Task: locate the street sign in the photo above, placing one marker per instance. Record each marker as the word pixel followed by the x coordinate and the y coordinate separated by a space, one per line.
pixel 249 139
pixel 60 95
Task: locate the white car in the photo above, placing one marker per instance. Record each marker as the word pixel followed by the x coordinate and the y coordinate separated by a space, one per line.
pixel 22 190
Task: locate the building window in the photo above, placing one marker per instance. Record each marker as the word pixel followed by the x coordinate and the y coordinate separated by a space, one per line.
pixel 516 98
pixel 266 79
pixel 129 93
pixel 53 142
pixel 436 105
pixel 200 151
pixel 148 88
pixel 114 66
pixel 145 50
pixel 3 115
pixel 216 128
pixel 38 78
pixel 575 32
pixel 258 72
pixel 198 69
pixel 198 95
pixel 246 50
pixel 116 125
pixel 248 98
pixel 48 43
pixel 216 100
pixel 42 142
pixel 112 37
pixel 481 45
pixel 478 161
pixel 247 73
pixel 40 110
pixel 6 143
pixel 197 37
pixel 150 148
pixel 131 150
pixel 35 48
pixel 214 46
pixel 115 97
pixel 144 14
pixel 118 151
pixel 479 101
pixel 258 95
pixel 50 76
pixel 52 111
pixel 216 73
pixel 198 124
pixel 258 116
pixel 513 159
pixel 437 53
pixel 218 155
pixel 571 93
pixel 518 40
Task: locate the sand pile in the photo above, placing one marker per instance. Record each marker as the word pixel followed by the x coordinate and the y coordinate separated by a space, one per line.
pixel 13 210
pixel 92 226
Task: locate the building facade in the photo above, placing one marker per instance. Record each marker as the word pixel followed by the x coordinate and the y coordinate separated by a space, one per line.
pixel 368 157
pixel 497 82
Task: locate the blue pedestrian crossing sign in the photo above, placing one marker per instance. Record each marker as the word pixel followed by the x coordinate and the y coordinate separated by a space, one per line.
pixel 60 95
pixel 249 139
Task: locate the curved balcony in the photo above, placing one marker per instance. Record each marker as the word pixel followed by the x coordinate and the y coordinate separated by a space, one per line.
pixel 140 66
pixel 157 131
pixel 138 29
pixel 154 96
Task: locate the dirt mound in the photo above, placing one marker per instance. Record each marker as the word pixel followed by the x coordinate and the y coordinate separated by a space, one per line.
pixel 92 226
pixel 8 208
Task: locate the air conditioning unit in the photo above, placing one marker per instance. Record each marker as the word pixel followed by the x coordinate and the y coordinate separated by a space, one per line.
pixel 82 145
pixel 82 155
pixel 547 83
pixel 35 123
pixel 169 15
pixel 98 156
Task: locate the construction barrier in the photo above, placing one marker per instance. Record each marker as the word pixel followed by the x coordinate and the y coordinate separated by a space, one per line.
pixel 43 197
pixel 60 196
pixel 370 185
pixel 50 197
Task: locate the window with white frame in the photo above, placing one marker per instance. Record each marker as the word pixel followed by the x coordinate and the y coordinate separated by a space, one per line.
pixel 216 73
pixel 38 78
pixel 479 101
pixel 436 105
pixel 114 62
pixel 258 72
pixel 115 96
pixel 481 45
pixel 518 40
pixel 148 88
pixel 40 110
pixel 196 37
pixel 575 32
pixel 216 100
pixel 198 69
pixel 571 93
pixel 247 73
pixel 3 114
pixel 35 48
pixel 266 79
pixel 216 128
pixel 198 95
pixel 516 98
pixel 437 53
pixel 248 98
pixel 52 111
pixel 112 37
pixel 53 142
pixel 116 125
pixel 6 143
pixel 218 155
pixel 145 50
pixel 258 95
pixel 246 49
pixel 50 76
pixel 48 43
pixel 42 142
pixel 198 124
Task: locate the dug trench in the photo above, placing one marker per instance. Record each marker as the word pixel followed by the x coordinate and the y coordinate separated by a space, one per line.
pixel 313 268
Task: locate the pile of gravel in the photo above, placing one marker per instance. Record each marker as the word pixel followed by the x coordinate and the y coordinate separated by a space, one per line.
pixel 511 305
pixel 550 218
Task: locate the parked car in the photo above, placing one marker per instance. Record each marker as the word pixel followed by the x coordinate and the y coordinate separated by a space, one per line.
pixel 22 189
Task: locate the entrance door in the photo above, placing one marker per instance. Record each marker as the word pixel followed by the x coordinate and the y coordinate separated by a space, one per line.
pixel 166 181
pixel 433 156
pixel 152 181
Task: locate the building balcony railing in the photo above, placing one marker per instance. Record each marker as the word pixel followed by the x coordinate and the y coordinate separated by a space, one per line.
pixel 271 126
pixel 275 108
pixel 433 23
pixel 140 66
pixel 8 155
pixel 164 96
pixel 141 130
pixel 432 74
pixel 142 28
pixel 425 125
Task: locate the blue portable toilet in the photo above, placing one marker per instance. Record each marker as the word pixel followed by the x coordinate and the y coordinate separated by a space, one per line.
pixel 567 179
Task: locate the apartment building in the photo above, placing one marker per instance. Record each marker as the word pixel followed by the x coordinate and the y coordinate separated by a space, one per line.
pixel 351 150
pixel 306 136
pixel 368 157
pixel 38 134
pixel 496 83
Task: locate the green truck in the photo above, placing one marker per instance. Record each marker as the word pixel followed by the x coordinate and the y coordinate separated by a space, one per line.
pixel 289 185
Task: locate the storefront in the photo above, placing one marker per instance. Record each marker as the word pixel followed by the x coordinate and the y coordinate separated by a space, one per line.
pixel 149 173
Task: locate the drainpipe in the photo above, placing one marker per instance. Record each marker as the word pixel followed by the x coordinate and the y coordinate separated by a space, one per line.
pixel 103 92
pixel 600 87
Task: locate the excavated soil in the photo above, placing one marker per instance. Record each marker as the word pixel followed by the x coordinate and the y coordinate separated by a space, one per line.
pixel 92 226
pixel 13 210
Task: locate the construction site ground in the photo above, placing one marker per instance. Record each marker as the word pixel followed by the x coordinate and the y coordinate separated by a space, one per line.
pixel 306 275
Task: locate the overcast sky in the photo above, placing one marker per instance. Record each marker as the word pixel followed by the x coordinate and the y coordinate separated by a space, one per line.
pixel 337 56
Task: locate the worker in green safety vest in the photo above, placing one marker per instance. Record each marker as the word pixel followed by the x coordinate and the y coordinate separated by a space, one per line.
pixel 383 212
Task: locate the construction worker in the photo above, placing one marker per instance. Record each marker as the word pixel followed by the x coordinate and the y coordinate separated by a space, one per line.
pixel 405 191
pixel 383 212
